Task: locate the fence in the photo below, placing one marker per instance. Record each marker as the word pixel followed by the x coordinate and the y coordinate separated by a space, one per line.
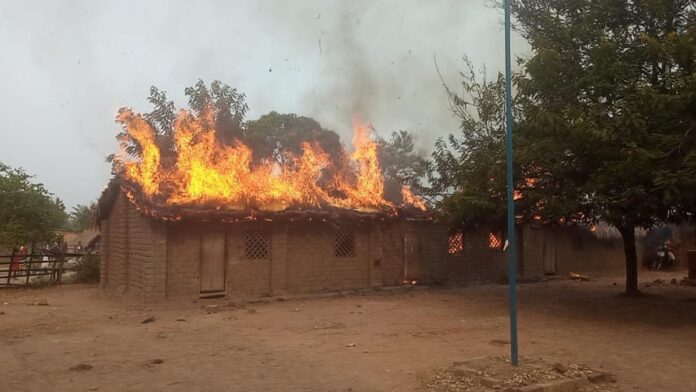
pixel 18 270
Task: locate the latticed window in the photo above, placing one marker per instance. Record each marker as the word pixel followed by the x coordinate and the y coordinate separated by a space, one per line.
pixel 257 245
pixel 456 243
pixel 345 243
pixel 494 241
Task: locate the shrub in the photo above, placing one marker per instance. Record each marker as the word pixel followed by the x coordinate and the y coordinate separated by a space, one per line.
pixel 87 269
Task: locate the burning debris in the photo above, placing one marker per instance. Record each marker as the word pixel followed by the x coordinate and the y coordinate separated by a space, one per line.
pixel 203 172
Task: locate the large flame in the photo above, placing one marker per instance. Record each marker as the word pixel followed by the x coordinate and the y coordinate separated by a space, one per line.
pixel 224 176
pixel 411 199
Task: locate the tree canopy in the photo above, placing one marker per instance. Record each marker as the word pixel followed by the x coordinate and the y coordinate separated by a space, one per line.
pixel 274 133
pixel 468 169
pixel 610 103
pixel 28 212
pixel 401 164
pixel 605 110
pixel 82 216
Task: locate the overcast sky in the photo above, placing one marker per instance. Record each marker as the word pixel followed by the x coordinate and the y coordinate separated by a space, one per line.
pixel 68 66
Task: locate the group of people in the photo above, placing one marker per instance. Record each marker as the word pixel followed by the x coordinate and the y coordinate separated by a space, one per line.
pixel 50 251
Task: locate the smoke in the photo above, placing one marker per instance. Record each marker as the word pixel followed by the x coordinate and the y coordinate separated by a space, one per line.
pixel 375 60
pixel 331 60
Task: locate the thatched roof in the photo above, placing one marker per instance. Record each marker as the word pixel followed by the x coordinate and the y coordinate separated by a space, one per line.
pixel 162 211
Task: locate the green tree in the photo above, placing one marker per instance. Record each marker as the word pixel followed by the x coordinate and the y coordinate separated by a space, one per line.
pixel 163 113
pixel 401 164
pixel 274 133
pixel 610 107
pixel 81 216
pixel 28 212
pixel 229 107
pixel 468 169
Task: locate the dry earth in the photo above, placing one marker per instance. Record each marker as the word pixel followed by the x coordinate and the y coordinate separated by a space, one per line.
pixel 394 340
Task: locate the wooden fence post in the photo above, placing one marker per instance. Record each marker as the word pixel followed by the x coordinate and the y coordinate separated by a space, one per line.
pixel 31 256
pixel 61 260
pixel 9 267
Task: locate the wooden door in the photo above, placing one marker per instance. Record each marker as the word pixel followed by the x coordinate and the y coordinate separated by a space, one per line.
pixel 413 266
pixel 549 254
pixel 213 261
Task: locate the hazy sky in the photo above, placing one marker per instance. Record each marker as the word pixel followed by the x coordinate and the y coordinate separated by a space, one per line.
pixel 67 67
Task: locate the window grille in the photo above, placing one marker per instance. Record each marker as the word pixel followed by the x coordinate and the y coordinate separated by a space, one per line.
pixel 494 241
pixel 456 243
pixel 257 245
pixel 344 246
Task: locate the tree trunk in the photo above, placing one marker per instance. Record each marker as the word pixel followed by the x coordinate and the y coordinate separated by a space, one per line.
pixel 628 234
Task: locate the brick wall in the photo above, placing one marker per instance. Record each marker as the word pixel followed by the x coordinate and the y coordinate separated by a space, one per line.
pixel 432 245
pixel 312 264
pixel 302 259
pixel 385 261
pixel 253 277
pixel 183 261
pixel 576 250
pixel 133 252
pixel 114 248
pixel 477 263
pixel 152 260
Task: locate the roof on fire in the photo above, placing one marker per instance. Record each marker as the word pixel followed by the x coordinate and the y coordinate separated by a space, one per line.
pixel 164 212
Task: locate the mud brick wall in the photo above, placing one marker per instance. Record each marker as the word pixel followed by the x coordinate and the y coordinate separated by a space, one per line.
pixel 302 259
pixel 387 250
pixel 312 264
pixel 576 250
pixel 183 261
pixel 433 250
pixel 114 248
pixel 477 263
pixel 533 247
pixel 133 253
pixel 251 277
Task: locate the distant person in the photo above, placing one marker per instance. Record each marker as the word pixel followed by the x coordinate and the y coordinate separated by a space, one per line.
pixel 45 260
pixel 78 247
pixel 19 255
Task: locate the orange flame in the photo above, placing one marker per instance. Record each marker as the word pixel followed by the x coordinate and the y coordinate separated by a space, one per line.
pixel 410 199
pixel 208 172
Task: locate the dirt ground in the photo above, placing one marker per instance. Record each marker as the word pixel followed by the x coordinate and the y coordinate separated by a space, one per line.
pixel 393 340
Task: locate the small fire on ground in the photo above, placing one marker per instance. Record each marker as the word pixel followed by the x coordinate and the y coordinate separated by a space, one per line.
pixel 205 171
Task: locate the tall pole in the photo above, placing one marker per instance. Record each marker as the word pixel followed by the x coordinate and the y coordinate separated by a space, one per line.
pixel 512 248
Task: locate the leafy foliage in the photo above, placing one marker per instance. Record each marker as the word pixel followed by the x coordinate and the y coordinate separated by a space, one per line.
pixel 81 216
pixel 163 112
pixel 273 133
pixel 28 212
pixel 229 107
pixel 87 269
pixel 609 101
pixel 469 168
pixel 401 164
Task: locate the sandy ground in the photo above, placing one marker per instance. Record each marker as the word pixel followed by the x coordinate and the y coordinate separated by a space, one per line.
pixel 384 341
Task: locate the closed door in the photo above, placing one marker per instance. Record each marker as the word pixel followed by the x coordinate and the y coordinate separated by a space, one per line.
pixel 212 262
pixel 413 266
pixel 549 255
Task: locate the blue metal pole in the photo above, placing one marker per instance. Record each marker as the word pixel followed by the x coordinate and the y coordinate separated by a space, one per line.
pixel 512 248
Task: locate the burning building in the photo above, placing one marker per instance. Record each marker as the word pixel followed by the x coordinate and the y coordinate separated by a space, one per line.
pixel 202 218
pixel 193 217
